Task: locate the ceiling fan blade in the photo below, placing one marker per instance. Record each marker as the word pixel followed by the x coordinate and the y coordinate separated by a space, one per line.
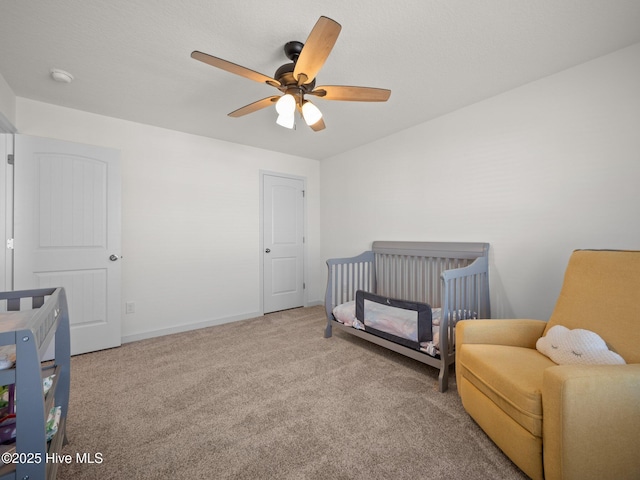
pixel 233 68
pixel 353 94
pixel 316 50
pixel 319 125
pixel 255 106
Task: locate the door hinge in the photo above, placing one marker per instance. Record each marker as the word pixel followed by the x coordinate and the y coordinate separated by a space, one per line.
pixel 304 285
pixel 10 243
pixel 10 159
pixel 303 193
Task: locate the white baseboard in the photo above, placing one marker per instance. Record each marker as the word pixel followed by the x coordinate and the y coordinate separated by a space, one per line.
pixel 188 327
pixel 197 325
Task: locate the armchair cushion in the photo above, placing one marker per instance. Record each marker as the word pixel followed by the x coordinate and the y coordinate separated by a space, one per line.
pixel 599 294
pixel 509 376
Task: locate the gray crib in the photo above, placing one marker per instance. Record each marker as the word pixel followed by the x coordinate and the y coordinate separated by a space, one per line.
pixel 452 276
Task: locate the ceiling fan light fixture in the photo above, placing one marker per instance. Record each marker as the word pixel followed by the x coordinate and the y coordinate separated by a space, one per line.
pixel 286 105
pixel 286 120
pixel 311 113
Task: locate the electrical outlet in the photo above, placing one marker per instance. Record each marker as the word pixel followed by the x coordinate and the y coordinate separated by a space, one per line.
pixel 130 307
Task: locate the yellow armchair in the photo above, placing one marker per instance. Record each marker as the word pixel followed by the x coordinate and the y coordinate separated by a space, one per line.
pixel 562 421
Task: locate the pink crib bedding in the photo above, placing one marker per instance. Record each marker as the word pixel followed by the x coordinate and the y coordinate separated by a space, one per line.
pixel 396 321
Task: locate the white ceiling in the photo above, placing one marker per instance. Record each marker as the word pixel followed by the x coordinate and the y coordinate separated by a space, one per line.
pixel 131 59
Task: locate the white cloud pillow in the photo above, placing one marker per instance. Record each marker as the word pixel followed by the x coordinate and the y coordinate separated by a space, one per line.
pixel 578 346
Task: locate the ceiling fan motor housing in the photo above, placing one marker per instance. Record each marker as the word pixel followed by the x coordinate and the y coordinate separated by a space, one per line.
pixel 284 75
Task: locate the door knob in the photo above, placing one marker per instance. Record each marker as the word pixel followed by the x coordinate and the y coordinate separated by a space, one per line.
pixel 268 250
pixel 113 258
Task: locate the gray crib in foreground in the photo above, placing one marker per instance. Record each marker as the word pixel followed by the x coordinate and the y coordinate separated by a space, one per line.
pixel 452 276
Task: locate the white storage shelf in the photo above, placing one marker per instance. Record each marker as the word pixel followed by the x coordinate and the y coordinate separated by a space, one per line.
pixel 30 320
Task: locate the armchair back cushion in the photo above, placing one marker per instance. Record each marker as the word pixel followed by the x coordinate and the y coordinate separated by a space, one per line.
pixel 598 294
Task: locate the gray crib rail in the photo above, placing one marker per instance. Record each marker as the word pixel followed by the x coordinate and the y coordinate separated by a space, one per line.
pixel 410 271
pixel 348 275
pixel 466 296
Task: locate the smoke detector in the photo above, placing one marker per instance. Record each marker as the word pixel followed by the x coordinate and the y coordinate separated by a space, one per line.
pixel 61 76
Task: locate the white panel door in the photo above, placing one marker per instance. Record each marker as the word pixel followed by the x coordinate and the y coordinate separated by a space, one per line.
pixel 67 232
pixel 283 257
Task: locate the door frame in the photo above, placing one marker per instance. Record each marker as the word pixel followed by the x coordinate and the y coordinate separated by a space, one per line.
pixel 305 270
pixel 6 210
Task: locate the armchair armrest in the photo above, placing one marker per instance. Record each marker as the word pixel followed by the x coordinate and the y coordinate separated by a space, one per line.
pixel 591 421
pixel 519 333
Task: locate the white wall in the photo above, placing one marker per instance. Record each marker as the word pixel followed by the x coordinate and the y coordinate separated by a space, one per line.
pixel 537 171
pixel 190 217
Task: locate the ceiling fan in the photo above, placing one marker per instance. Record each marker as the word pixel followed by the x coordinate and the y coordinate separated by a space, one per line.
pixel 298 79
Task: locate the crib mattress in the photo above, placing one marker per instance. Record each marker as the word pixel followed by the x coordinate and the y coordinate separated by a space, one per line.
pixel 401 323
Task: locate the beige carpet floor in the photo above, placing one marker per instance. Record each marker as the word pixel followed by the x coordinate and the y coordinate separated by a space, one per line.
pixel 269 398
